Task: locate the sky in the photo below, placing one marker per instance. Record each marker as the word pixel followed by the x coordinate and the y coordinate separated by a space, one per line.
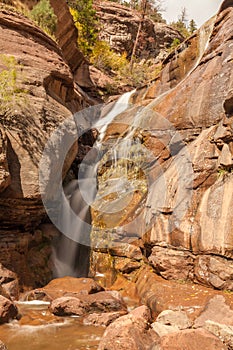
pixel 199 10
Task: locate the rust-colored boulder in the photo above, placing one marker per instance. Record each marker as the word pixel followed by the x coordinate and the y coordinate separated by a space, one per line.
pixel 64 286
pixel 131 331
pixel 83 304
pixel 67 306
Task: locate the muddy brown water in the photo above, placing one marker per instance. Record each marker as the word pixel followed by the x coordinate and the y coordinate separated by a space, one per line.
pixel 38 329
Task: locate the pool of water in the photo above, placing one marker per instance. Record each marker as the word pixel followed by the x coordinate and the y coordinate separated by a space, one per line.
pixel 38 329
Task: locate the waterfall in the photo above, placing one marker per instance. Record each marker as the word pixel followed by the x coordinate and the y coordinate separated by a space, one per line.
pixel 71 258
pixel 125 156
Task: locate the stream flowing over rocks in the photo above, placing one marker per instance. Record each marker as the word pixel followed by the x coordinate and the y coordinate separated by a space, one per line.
pixel 156 272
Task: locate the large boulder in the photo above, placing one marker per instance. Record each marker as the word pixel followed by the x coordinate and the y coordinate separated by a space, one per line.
pixel 177 319
pixel 83 304
pixel 64 286
pixel 131 331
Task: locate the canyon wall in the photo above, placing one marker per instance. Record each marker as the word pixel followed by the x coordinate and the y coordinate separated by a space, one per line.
pixel 184 227
pixel 48 96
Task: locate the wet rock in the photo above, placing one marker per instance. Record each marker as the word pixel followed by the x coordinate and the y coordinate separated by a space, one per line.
pixel 177 319
pixel 126 250
pixel 125 265
pixel 172 264
pixel 67 306
pixel 8 311
pixel 83 304
pixel 60 287
pixel 131 331
pixel 9 282
pixel 190 339
pixel 103 319
pixel 105 301
pixel 223 332
pixel 2 346
pixel 216 310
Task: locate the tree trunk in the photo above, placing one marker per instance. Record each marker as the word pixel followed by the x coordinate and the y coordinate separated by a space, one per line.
pixel 144 5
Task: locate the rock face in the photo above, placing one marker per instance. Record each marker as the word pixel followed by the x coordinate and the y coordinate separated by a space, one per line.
pixel 67 36
pixel 49 98
pixel 186 220
pixel 119 26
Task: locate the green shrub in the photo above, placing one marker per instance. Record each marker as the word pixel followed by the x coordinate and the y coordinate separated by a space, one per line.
pixel 104 58
pixel 44 16
pixel 85 20
pixel 11 94
pixel 118 66
pixel 174 44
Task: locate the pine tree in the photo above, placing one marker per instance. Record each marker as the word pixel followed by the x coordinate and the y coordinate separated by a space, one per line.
pixel 181 24
pixel 192 26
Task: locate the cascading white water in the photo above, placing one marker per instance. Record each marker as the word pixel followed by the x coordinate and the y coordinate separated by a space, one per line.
pixel 70 257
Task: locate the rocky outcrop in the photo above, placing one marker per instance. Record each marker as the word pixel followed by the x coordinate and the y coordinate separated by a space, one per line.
pixel 186 221
pixel 119 25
